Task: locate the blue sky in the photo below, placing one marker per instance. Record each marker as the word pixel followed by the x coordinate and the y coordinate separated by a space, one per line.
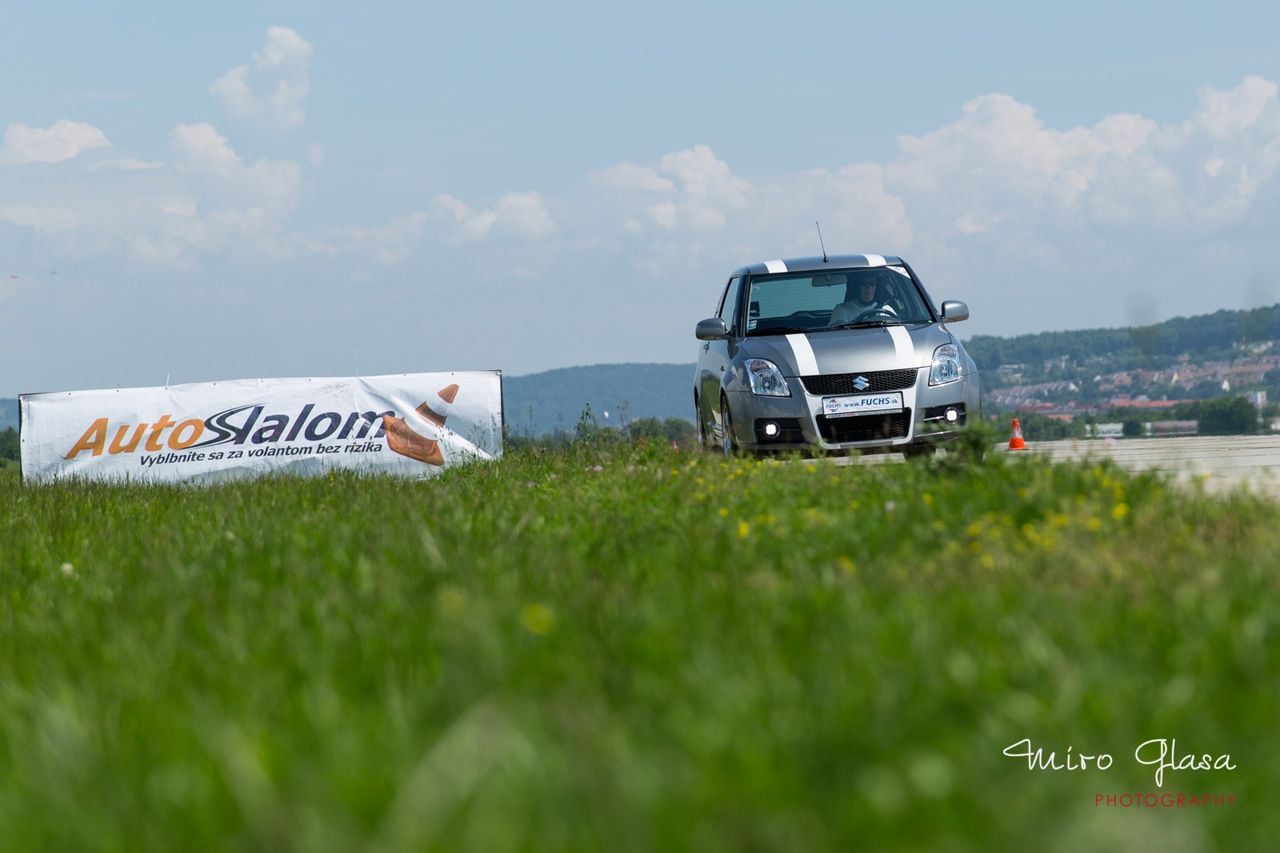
pixel 310 189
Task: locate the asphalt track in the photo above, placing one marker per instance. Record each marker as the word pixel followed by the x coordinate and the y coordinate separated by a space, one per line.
pixel 1218 463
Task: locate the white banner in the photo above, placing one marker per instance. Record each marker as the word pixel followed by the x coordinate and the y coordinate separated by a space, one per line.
pixel 412 425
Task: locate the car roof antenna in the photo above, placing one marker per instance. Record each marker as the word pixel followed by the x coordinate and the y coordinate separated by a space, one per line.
pixel 820 243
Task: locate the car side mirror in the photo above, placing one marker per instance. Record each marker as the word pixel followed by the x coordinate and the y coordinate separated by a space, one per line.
pixel 712 329
pixel 953 311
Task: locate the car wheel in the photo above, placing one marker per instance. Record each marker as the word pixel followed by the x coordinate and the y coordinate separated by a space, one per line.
pixel 727 445
pixel 704 443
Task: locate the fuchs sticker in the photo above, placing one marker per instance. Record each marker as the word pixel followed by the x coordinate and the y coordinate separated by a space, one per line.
pixel 862 404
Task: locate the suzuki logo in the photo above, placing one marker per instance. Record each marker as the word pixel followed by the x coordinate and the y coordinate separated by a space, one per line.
pixel 861 383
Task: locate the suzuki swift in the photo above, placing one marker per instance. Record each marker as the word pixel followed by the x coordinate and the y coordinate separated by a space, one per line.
pixel 841 353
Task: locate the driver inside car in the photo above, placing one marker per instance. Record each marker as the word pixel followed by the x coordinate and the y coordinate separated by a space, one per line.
pixel 861 302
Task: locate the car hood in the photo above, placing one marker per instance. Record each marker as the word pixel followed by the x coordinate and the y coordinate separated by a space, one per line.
pixel 850 350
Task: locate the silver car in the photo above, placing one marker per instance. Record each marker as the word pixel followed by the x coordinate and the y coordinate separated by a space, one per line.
pixel 841 353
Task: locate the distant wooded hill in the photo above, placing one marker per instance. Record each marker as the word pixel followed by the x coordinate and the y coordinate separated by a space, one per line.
pixel 542 403
pixel 1209 336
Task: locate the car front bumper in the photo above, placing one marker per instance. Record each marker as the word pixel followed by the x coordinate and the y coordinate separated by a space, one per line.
pixel 799 423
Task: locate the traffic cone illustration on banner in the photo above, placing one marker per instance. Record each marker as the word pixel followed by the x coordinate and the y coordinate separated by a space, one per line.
pixel 1015 440
pixel 405 440
pixel 439 410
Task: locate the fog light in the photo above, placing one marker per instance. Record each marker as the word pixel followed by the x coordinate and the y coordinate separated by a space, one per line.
pixel 951 415
pixel 771 429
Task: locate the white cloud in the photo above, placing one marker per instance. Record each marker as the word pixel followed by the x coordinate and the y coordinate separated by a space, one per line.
pixel 1223 114
pixel 628 176
pixel 270 92
pixel 387 243
pixel 519 214
pixel 998 162
pixel 664 214
pixel 706 187
pixel 969 224
pixel 694 190
pixel 49 220
pixel 124 164
pixel 63 140
pixel 1000 147
pixel 204 149
pixel 524 214
pixel 701 197
pixel 205 153
pixel 181 233
pixel 472 224
pixel 208 200
pixel 182 207
pixel 1012 211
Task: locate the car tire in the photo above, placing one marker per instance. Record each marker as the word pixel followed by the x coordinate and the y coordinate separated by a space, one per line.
pixel 728 446
pixel 704 441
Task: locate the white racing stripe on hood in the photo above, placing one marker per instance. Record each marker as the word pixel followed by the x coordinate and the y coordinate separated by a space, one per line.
pixel 775 266
pixel 902 345
pixel 802 352
pixel 874 260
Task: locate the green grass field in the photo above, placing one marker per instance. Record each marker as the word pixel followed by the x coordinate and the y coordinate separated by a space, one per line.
pixel 631 650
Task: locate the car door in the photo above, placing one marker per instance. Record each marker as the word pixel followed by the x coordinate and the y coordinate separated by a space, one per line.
pixel 713 357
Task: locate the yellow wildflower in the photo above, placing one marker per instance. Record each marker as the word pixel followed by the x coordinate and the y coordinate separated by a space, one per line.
pixel 538 619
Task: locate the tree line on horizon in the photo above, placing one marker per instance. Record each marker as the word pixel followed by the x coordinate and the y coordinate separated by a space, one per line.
pixel 1203 337
pixel 9 447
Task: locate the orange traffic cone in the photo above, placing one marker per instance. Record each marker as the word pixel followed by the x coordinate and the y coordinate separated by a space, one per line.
pixel 1015 440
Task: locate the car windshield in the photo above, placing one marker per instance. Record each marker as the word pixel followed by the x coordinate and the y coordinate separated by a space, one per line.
pixel 831 299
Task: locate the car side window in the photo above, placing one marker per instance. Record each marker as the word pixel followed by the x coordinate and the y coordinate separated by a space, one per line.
pixel 730 301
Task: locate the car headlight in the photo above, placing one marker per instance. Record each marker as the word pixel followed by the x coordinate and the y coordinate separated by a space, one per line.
pixel 946 365
pixel 766 378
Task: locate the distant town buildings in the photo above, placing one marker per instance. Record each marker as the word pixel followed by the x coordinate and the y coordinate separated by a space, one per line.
pixel 1141 389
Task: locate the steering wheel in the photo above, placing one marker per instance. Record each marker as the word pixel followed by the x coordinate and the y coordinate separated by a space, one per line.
pixel 878 311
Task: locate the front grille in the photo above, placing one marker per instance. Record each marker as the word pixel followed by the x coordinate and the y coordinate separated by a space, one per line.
pixel 864 427
pixel 842 383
